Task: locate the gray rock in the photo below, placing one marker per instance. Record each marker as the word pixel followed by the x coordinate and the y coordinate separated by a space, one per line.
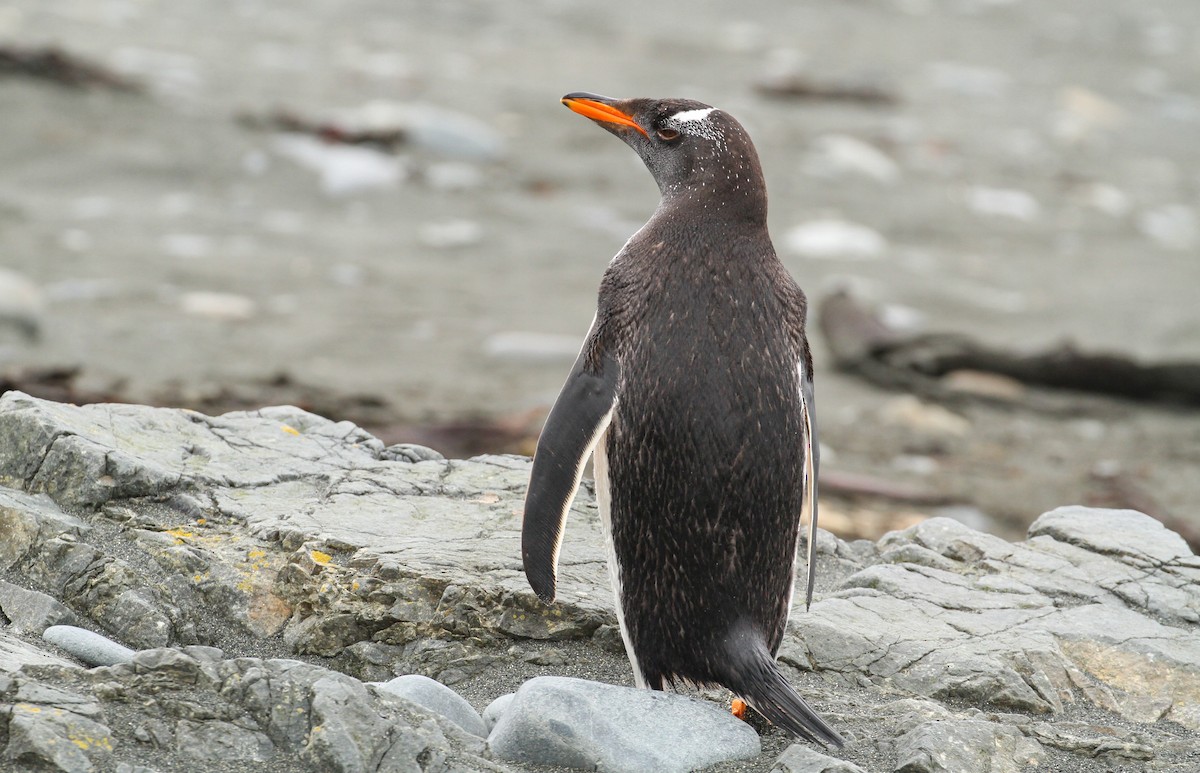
pixel 352 736
pixel 273 530
pixel 594 726
pixel 428 127
pixel 57 739
pixel 952 746
pixel 108 588
pixel 221 741
pixel 1098 742
pixel 291 477
pixel 439 698
pixel 1133 536
pixel 88 646
pixel 28 520
pixel 803 759
pixel 30 611
pixel 496 709
pixel 325 634
pixel 137 614
pixel 236 712
pixel 908 713
pixel 15 653
pixel 50 727
pixel 27 691
pixel 175 666
pixel 203 654
pixel 410 452
pixel 993 630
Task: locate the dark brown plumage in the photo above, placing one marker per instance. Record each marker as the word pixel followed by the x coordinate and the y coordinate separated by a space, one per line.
pixel 694 390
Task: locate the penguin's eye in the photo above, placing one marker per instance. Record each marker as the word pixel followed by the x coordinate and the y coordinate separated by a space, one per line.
pixel 667 134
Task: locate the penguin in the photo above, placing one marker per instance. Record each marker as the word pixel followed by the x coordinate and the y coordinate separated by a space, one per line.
pixel 693 391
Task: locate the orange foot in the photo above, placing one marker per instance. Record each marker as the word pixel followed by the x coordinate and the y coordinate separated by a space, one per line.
pixel 738 707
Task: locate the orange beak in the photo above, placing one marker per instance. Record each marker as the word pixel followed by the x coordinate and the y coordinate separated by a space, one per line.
pixel 596 108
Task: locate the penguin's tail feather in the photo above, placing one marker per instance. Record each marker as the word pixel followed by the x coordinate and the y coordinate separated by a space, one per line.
pixel 754 676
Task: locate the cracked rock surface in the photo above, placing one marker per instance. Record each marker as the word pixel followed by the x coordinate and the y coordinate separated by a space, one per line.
pixel 265 566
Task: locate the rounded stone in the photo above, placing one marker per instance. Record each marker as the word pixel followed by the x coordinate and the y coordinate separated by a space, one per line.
pixel 88 646
pixel 496 709
pixel 438 698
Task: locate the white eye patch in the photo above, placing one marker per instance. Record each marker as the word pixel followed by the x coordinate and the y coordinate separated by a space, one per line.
pixel 697 123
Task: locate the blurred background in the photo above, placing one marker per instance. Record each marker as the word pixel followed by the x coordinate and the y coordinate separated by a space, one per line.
pixel 380 211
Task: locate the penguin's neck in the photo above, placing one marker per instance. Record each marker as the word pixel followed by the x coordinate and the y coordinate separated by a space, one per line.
pixel 730 193
pixel 744 207
pixel 709 233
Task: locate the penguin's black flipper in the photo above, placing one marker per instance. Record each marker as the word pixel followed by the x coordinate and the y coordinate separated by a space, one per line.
pixel 754 676
pixel 576 423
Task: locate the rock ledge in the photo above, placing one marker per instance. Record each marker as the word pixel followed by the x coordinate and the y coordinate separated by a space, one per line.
pixel 263 567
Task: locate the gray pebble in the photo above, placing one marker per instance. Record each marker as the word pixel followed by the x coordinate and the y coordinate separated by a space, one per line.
pixel 556 720
pixel 90 647
pixel 496 709
pixel 439 698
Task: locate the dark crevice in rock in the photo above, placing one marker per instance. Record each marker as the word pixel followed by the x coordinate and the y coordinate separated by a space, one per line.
pixel 31 476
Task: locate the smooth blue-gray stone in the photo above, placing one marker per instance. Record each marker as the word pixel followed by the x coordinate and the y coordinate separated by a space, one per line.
pixel 554 720
pixel 438 698
pixel 90 647
pixel 495 709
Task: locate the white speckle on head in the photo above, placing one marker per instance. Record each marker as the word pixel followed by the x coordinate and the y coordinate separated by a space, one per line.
pixel 697 123
pixel 687 116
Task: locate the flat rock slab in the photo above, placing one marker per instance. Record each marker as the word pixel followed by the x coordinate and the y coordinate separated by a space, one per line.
pixel 1033 626
pixel 31 611
pixel 285 475
pixel 593 726
pixel 15 653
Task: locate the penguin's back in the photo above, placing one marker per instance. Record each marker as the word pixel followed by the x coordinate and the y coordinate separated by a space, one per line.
pixel 704 452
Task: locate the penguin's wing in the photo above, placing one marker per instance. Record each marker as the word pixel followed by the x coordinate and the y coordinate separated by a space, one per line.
pixel 576 423
pixel 812 461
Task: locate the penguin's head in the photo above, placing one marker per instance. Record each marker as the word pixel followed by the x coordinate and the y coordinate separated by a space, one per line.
pixel 695 151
